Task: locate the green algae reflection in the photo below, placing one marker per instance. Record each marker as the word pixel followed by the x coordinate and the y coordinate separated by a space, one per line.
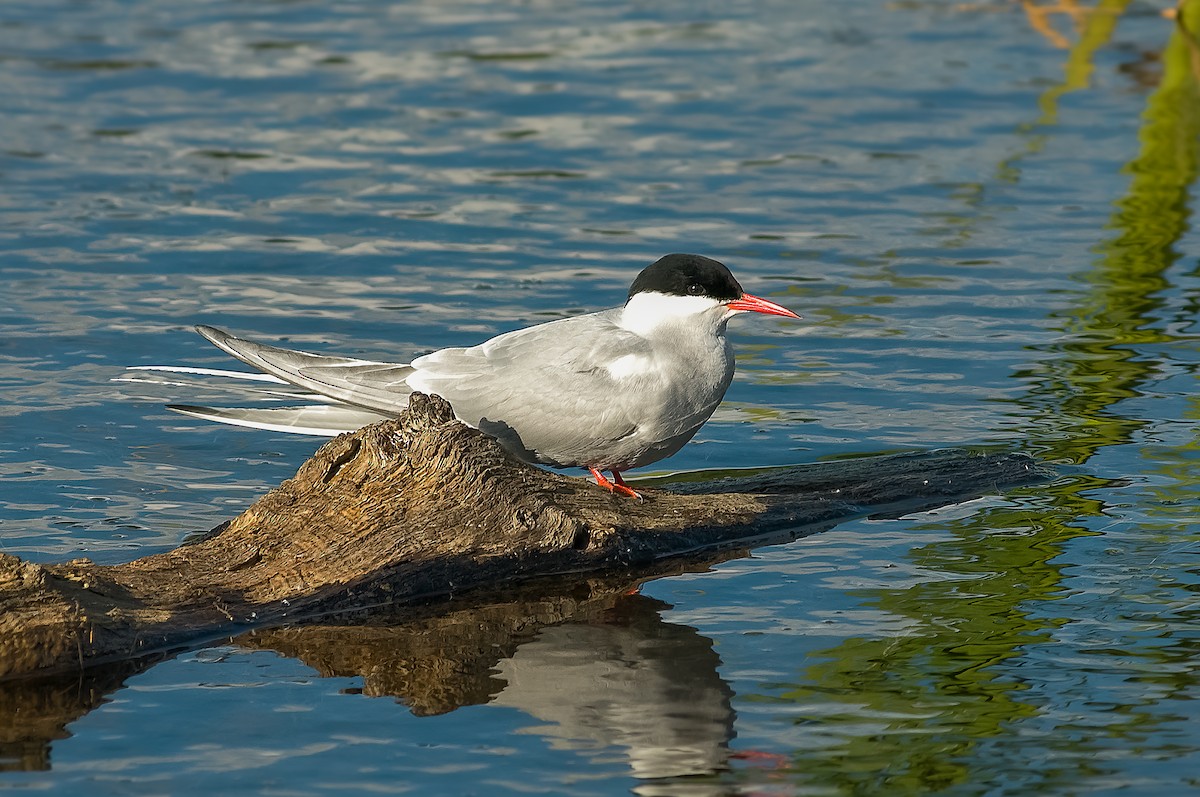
pixel 923 711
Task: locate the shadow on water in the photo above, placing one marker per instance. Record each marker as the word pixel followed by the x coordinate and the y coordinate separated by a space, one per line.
pixel 34 712
pixel 940 698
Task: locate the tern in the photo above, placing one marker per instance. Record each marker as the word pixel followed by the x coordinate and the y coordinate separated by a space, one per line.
pixel 607 391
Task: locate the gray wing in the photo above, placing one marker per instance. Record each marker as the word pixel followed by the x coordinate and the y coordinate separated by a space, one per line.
pixel 545 391
pixel 377 386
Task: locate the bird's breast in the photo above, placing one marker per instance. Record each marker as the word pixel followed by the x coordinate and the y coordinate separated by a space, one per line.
pixel 682 389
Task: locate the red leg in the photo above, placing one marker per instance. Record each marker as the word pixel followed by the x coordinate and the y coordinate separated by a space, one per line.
pixel 619 487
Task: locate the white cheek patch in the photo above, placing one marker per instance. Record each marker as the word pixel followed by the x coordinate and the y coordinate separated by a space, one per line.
pixel 629 365
pixel 646 312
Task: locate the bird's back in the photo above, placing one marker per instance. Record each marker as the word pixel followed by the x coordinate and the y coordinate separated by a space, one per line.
pixel 582 391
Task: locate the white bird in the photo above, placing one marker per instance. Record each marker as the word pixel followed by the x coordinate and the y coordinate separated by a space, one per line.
pixel 611 390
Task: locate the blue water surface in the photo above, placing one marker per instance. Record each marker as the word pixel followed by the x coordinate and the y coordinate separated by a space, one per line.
pixel 982 210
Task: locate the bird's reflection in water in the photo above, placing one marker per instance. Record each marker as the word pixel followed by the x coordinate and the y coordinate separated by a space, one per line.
pixel 596 665
pixel 634 682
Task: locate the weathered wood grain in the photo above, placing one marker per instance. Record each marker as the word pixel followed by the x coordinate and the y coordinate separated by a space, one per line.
pixel 423 506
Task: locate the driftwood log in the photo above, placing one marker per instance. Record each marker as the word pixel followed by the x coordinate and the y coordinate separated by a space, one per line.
pixel 407 510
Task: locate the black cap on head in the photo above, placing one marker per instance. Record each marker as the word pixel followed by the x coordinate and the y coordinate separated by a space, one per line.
pixel 687 275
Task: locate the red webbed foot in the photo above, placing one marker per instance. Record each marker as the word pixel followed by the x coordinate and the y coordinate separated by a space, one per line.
pixel 617 485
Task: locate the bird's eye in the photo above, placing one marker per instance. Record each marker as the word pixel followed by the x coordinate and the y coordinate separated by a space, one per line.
pixel 695 289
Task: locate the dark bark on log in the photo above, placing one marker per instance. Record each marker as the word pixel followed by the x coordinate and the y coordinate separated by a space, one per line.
pixel 424 506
